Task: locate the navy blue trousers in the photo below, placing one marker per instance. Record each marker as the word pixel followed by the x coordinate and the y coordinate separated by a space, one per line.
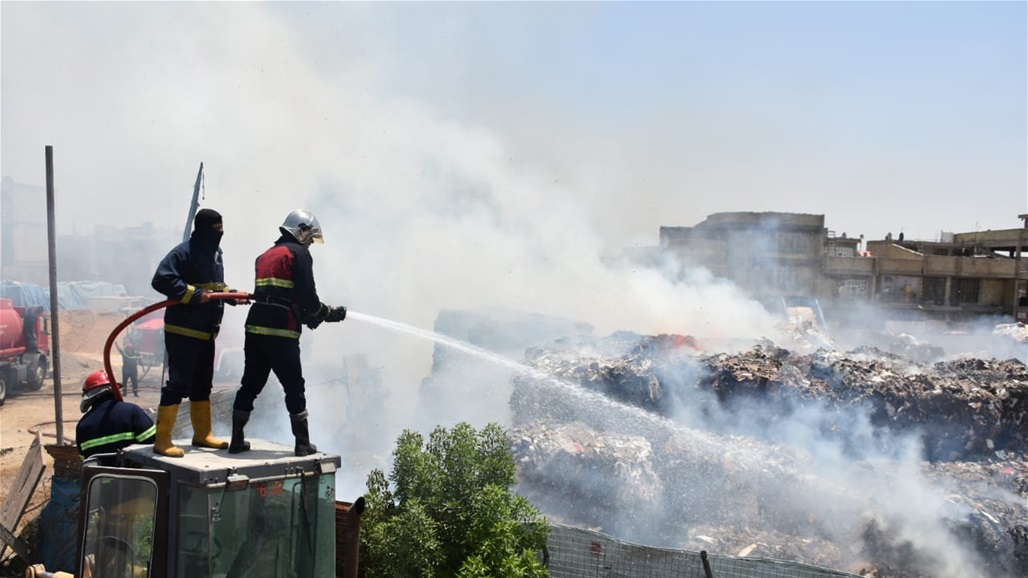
pixel 190 369
pixel 264 354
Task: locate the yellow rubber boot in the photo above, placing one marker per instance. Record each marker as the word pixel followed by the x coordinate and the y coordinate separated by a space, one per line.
pixel 166 416
pixel 200 412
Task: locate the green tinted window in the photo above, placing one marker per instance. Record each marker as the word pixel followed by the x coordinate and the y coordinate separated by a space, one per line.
pixel 118 542
pixel 280 528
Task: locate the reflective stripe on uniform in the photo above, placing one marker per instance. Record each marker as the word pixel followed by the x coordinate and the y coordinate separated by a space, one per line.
pixel 147 434
pixel 179 330
pixel 258 330
pixel 275 282
pixel 191 289
pixel 113 438
pixel 189 294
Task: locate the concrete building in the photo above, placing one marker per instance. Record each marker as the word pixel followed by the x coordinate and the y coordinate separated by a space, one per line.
pixel 782 255
pixel 959 277
pixel 769 254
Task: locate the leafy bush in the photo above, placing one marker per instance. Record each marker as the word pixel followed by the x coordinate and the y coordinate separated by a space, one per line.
pixel 450 511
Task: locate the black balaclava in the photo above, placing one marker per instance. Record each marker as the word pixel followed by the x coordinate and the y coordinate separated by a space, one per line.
pixel 203 226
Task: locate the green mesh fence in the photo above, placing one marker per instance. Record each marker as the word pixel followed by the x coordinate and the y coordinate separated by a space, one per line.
pixel 577 553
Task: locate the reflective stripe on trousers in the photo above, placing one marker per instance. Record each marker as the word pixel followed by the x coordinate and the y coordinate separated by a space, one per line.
pixel 275 332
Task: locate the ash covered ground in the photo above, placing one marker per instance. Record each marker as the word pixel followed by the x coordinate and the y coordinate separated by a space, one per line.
pixel 897 459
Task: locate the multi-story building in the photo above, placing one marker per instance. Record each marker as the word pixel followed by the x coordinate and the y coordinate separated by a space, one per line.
pixel 769 254
pixel 960 276
pixel 776 255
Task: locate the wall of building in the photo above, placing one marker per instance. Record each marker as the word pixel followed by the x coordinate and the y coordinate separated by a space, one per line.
pixel 969 266
pixel 889 250
pixel 769 220
pixel 996 292
pixel 1007 237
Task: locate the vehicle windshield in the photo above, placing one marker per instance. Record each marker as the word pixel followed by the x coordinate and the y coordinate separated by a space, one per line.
pixel 118 542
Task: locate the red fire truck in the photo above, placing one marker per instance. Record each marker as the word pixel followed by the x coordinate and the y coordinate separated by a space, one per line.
pixel 24 347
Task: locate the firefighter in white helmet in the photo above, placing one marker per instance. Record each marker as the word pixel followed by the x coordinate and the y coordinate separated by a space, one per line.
pixel 285 299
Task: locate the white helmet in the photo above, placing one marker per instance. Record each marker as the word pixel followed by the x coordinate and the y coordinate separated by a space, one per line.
pixel 302 225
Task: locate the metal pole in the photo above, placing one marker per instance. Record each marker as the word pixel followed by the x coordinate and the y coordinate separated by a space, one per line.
pixel 706 564
pixel 55 333
pixel 350 545
pixel 193 205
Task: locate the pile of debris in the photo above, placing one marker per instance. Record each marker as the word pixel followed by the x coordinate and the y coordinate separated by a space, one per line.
pixel 1016 331
pixel 961 408
pixel 862 461
pixel 909 347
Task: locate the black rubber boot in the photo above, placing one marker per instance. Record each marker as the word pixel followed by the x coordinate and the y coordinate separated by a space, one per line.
pixel 238 444
pixel 304 447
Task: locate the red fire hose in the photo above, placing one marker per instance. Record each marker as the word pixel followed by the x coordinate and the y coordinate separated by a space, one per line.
pixel 144 311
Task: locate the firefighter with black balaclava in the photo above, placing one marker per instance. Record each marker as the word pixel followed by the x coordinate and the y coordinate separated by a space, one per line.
pixel 187 274
pixel 284 300
pixel 110 424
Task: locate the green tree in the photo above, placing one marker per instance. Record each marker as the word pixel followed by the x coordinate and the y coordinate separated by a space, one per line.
pixel 449 511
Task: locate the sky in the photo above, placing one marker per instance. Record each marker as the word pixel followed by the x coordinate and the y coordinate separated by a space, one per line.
pixel 883 116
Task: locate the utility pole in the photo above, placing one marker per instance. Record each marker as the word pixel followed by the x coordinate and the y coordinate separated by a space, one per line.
pixel 55 326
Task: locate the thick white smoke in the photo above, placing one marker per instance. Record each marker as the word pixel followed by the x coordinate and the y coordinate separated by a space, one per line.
pixel 420 213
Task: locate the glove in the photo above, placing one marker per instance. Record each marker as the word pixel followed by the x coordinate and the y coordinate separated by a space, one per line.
pixel 313 323
pixel 336 315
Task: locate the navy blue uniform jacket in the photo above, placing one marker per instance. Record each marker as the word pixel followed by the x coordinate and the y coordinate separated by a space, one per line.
pixel 186 271
pixel 111 425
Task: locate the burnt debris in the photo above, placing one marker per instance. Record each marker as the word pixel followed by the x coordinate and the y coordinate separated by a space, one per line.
pixel 866 461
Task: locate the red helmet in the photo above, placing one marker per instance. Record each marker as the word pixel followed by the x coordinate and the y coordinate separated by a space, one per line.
pixel 96 385
pixel 96 379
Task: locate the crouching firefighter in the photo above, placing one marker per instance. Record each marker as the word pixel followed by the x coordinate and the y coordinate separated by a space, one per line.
pixel 110 424
pixel 284 299
pixel 188 273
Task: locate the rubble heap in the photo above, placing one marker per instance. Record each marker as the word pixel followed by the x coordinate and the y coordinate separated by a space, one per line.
pixel 668 447
pixel 963 407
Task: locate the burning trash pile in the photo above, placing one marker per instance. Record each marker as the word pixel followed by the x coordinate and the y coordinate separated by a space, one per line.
pixel 861 461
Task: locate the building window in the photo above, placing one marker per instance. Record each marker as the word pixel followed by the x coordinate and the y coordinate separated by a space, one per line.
pixel 791 243
pixel 967 290
pixel 786 279
pixel 933 290
pixel 833 250
pixel 853 287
